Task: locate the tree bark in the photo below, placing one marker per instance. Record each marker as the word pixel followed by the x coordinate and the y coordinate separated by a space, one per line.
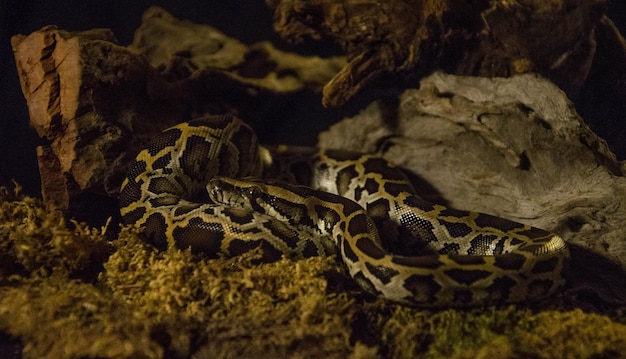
pixel 407 39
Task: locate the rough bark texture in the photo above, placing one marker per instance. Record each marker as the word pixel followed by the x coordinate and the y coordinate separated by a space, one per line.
pixel 511 147
pixel 411 38
pixel 85 94
pixel 98 103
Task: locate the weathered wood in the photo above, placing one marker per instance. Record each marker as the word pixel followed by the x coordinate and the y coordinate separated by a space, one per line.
pixel 411 38
pixel 181 49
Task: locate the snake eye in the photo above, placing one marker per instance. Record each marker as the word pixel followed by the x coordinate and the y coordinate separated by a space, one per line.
pixel 253 192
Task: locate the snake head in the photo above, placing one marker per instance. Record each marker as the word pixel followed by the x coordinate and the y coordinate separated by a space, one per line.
pixel 235 192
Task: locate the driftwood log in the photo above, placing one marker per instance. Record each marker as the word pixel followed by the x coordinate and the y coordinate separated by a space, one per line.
pixel 411 38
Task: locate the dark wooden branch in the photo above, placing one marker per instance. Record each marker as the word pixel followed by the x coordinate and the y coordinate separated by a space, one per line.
pixel 406 39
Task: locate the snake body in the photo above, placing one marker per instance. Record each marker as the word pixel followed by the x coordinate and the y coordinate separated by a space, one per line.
pixel 197 186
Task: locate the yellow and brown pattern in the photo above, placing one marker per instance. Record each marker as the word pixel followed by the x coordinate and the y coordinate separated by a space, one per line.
pixel 320 202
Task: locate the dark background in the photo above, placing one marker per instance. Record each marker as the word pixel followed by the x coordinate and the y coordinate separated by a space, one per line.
pixel 247 20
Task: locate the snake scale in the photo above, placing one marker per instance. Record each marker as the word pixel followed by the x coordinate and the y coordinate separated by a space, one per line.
pixel 198 186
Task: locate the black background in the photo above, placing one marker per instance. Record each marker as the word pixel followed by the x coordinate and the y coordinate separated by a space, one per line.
pixel 247 20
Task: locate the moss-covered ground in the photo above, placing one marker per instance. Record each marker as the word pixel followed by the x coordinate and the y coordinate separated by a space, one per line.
pixel 67 292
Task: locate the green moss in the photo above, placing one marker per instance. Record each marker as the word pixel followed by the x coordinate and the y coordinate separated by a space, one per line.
pixel 60 318
pixel 38 243
pixel 241 308
pixel 509 332
pixel 145 303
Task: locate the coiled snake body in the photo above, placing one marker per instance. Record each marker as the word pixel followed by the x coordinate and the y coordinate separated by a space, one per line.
pixel 431 255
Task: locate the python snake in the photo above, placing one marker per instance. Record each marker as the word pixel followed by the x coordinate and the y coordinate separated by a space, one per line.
pixel 197 186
